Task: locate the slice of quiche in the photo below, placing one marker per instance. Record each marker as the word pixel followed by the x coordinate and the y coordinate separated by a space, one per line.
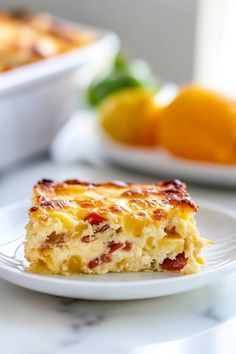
pixel 78 227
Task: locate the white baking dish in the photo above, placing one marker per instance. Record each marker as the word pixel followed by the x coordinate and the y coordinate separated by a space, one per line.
pixel 37 98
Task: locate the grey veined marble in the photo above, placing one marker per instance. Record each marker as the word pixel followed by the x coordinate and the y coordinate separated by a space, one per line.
pixel 35 323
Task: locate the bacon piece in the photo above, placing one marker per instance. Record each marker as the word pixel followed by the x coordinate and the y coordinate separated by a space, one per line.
pixel 176 264
pixel 104 258
pixel 94 218
pixel 53 240
pixel 114 246
pixel 128 246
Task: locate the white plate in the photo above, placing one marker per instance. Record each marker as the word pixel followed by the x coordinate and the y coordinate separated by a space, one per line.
pixel 218 225
pixel 161 163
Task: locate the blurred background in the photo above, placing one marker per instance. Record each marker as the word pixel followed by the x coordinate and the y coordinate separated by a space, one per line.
pixel 181 40
pixel 152 30
pixel 121 103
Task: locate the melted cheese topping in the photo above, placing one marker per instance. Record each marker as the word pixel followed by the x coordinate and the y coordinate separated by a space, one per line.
pixel 114 198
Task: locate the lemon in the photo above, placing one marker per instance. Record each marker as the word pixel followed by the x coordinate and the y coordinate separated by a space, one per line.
pixel 130 116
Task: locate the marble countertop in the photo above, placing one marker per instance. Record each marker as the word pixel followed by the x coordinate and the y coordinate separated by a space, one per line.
pixel 36 323
pixel 199 321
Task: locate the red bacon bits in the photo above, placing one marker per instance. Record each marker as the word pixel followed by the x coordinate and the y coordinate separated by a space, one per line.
pixel 87 239
pixel 128 246
pixel 114 246
pixel 104 258
pixel 53 240
pixel 94 218
pixel 174 265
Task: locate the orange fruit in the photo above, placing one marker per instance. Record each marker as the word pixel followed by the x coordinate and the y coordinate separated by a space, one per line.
pixel 201 125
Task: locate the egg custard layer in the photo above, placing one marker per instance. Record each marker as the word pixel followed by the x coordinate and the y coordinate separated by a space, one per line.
pixel 78 227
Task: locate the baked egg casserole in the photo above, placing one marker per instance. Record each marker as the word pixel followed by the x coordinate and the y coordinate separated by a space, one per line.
pixel 27 39
pixel 79 227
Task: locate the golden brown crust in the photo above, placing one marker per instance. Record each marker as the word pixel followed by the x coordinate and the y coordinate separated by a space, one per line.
pixel 52 205
pixel 51 195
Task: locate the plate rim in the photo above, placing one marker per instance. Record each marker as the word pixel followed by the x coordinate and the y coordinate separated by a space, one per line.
pixel 159 162
pixel 118 146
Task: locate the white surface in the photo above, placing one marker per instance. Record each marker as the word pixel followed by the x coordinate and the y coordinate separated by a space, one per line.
pixel 77 140
pixel 212 223
pixel 153 326
pixel 51 87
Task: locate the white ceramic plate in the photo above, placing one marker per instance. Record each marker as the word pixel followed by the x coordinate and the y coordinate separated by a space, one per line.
pixel 218 225
pixel 158 162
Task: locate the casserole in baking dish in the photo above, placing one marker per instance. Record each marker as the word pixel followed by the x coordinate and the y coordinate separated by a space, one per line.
pixel 39 86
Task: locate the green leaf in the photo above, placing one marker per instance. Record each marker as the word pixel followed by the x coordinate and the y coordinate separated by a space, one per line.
pixel 116 81
pixel 123 75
